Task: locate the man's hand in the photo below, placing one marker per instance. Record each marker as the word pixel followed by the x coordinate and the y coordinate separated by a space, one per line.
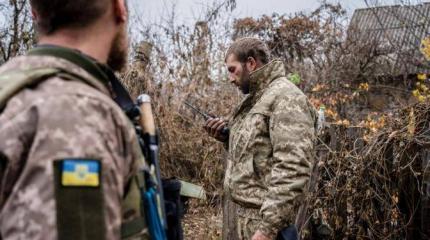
pixel 259 236
pixel 214 127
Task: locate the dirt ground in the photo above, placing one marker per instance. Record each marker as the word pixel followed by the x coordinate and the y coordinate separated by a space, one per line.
pixel 202 222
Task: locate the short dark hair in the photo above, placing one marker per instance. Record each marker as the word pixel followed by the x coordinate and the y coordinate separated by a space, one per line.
pixel 244 48
pixel 58 14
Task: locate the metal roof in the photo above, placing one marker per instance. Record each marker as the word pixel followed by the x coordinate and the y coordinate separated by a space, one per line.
pixel 398 32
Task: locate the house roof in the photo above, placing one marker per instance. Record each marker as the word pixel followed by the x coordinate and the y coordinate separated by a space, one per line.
pixel 398 31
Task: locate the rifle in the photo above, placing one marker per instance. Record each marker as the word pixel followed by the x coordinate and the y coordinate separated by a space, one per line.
pixel 225 131
pixel 152 187
pixel 154 195
pixel 149 178
pixel 161 226
pixel 163 207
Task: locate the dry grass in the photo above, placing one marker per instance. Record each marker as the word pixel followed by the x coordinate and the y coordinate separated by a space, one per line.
pixel 359 193
pixel 368 186
pixel 371 189
pixel 202 222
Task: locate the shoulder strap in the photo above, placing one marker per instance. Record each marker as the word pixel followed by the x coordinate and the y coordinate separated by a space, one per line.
pixel 13 81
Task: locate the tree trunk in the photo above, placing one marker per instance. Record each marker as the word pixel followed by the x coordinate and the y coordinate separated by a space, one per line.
pixel 229 229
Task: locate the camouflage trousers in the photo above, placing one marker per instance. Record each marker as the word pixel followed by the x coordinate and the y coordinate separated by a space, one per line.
pixel 247 222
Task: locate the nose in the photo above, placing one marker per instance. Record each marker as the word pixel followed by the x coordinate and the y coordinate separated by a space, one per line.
pixel 231 78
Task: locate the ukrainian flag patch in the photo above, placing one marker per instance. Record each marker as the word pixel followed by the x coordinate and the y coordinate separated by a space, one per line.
pixel 80 173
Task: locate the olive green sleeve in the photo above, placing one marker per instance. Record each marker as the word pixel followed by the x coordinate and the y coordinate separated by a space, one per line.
pixel 291 135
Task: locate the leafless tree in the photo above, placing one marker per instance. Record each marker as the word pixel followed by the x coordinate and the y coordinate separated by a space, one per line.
pixel 16 29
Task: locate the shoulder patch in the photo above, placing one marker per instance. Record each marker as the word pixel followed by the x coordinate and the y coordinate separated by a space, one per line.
pixel 79 197
pixel 80 173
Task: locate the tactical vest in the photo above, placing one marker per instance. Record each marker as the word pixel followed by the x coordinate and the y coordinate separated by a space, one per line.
pixel 13 82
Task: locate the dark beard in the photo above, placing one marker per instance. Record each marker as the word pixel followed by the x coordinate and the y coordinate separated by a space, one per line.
pixel 244 81
pixel 117 59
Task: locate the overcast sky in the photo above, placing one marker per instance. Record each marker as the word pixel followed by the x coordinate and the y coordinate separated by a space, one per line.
pixel 188 10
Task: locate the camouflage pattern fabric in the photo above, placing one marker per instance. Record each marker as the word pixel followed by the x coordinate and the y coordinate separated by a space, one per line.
pixel 60 119
pixel 248 220
pixel 247 226
pixel 271 149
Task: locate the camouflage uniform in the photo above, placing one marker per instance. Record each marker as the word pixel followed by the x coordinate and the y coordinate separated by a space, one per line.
pixel 61 119
pixel 270 151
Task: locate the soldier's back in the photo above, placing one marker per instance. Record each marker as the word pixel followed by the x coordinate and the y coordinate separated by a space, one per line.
pixel 67 154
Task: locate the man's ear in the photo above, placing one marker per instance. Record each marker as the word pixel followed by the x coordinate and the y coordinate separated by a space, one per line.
pixel 251 64
pixel 120 11
pixel 34 15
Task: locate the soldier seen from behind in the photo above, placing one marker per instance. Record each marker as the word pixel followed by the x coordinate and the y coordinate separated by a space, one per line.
pixel 270 143
pixel 68 153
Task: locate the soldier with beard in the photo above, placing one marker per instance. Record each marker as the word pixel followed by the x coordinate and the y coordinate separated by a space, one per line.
pixel 68 153
pixel 270 142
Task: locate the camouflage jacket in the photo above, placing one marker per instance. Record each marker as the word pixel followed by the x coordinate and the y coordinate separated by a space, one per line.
pixel 270 148
pixel 61 119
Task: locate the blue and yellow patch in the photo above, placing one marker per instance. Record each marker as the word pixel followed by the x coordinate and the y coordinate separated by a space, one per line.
pixel 80 173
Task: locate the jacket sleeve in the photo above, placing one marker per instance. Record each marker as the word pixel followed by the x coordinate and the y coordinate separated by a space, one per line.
pixel 292 134
pixel 69 126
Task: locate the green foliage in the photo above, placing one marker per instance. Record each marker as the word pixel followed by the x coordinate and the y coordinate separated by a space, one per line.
pixel 295 78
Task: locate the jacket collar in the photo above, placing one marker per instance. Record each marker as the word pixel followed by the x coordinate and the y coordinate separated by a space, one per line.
pixel 262 77
pixel 259 80
pixel 89 64
pixel 105 79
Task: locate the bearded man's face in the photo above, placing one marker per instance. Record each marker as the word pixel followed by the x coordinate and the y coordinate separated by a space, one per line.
pixel 118 54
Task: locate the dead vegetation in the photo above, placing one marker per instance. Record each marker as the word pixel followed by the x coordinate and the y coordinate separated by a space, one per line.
pixel 16 31
pixel 370 189
pixel 365 177
pixel 373 158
